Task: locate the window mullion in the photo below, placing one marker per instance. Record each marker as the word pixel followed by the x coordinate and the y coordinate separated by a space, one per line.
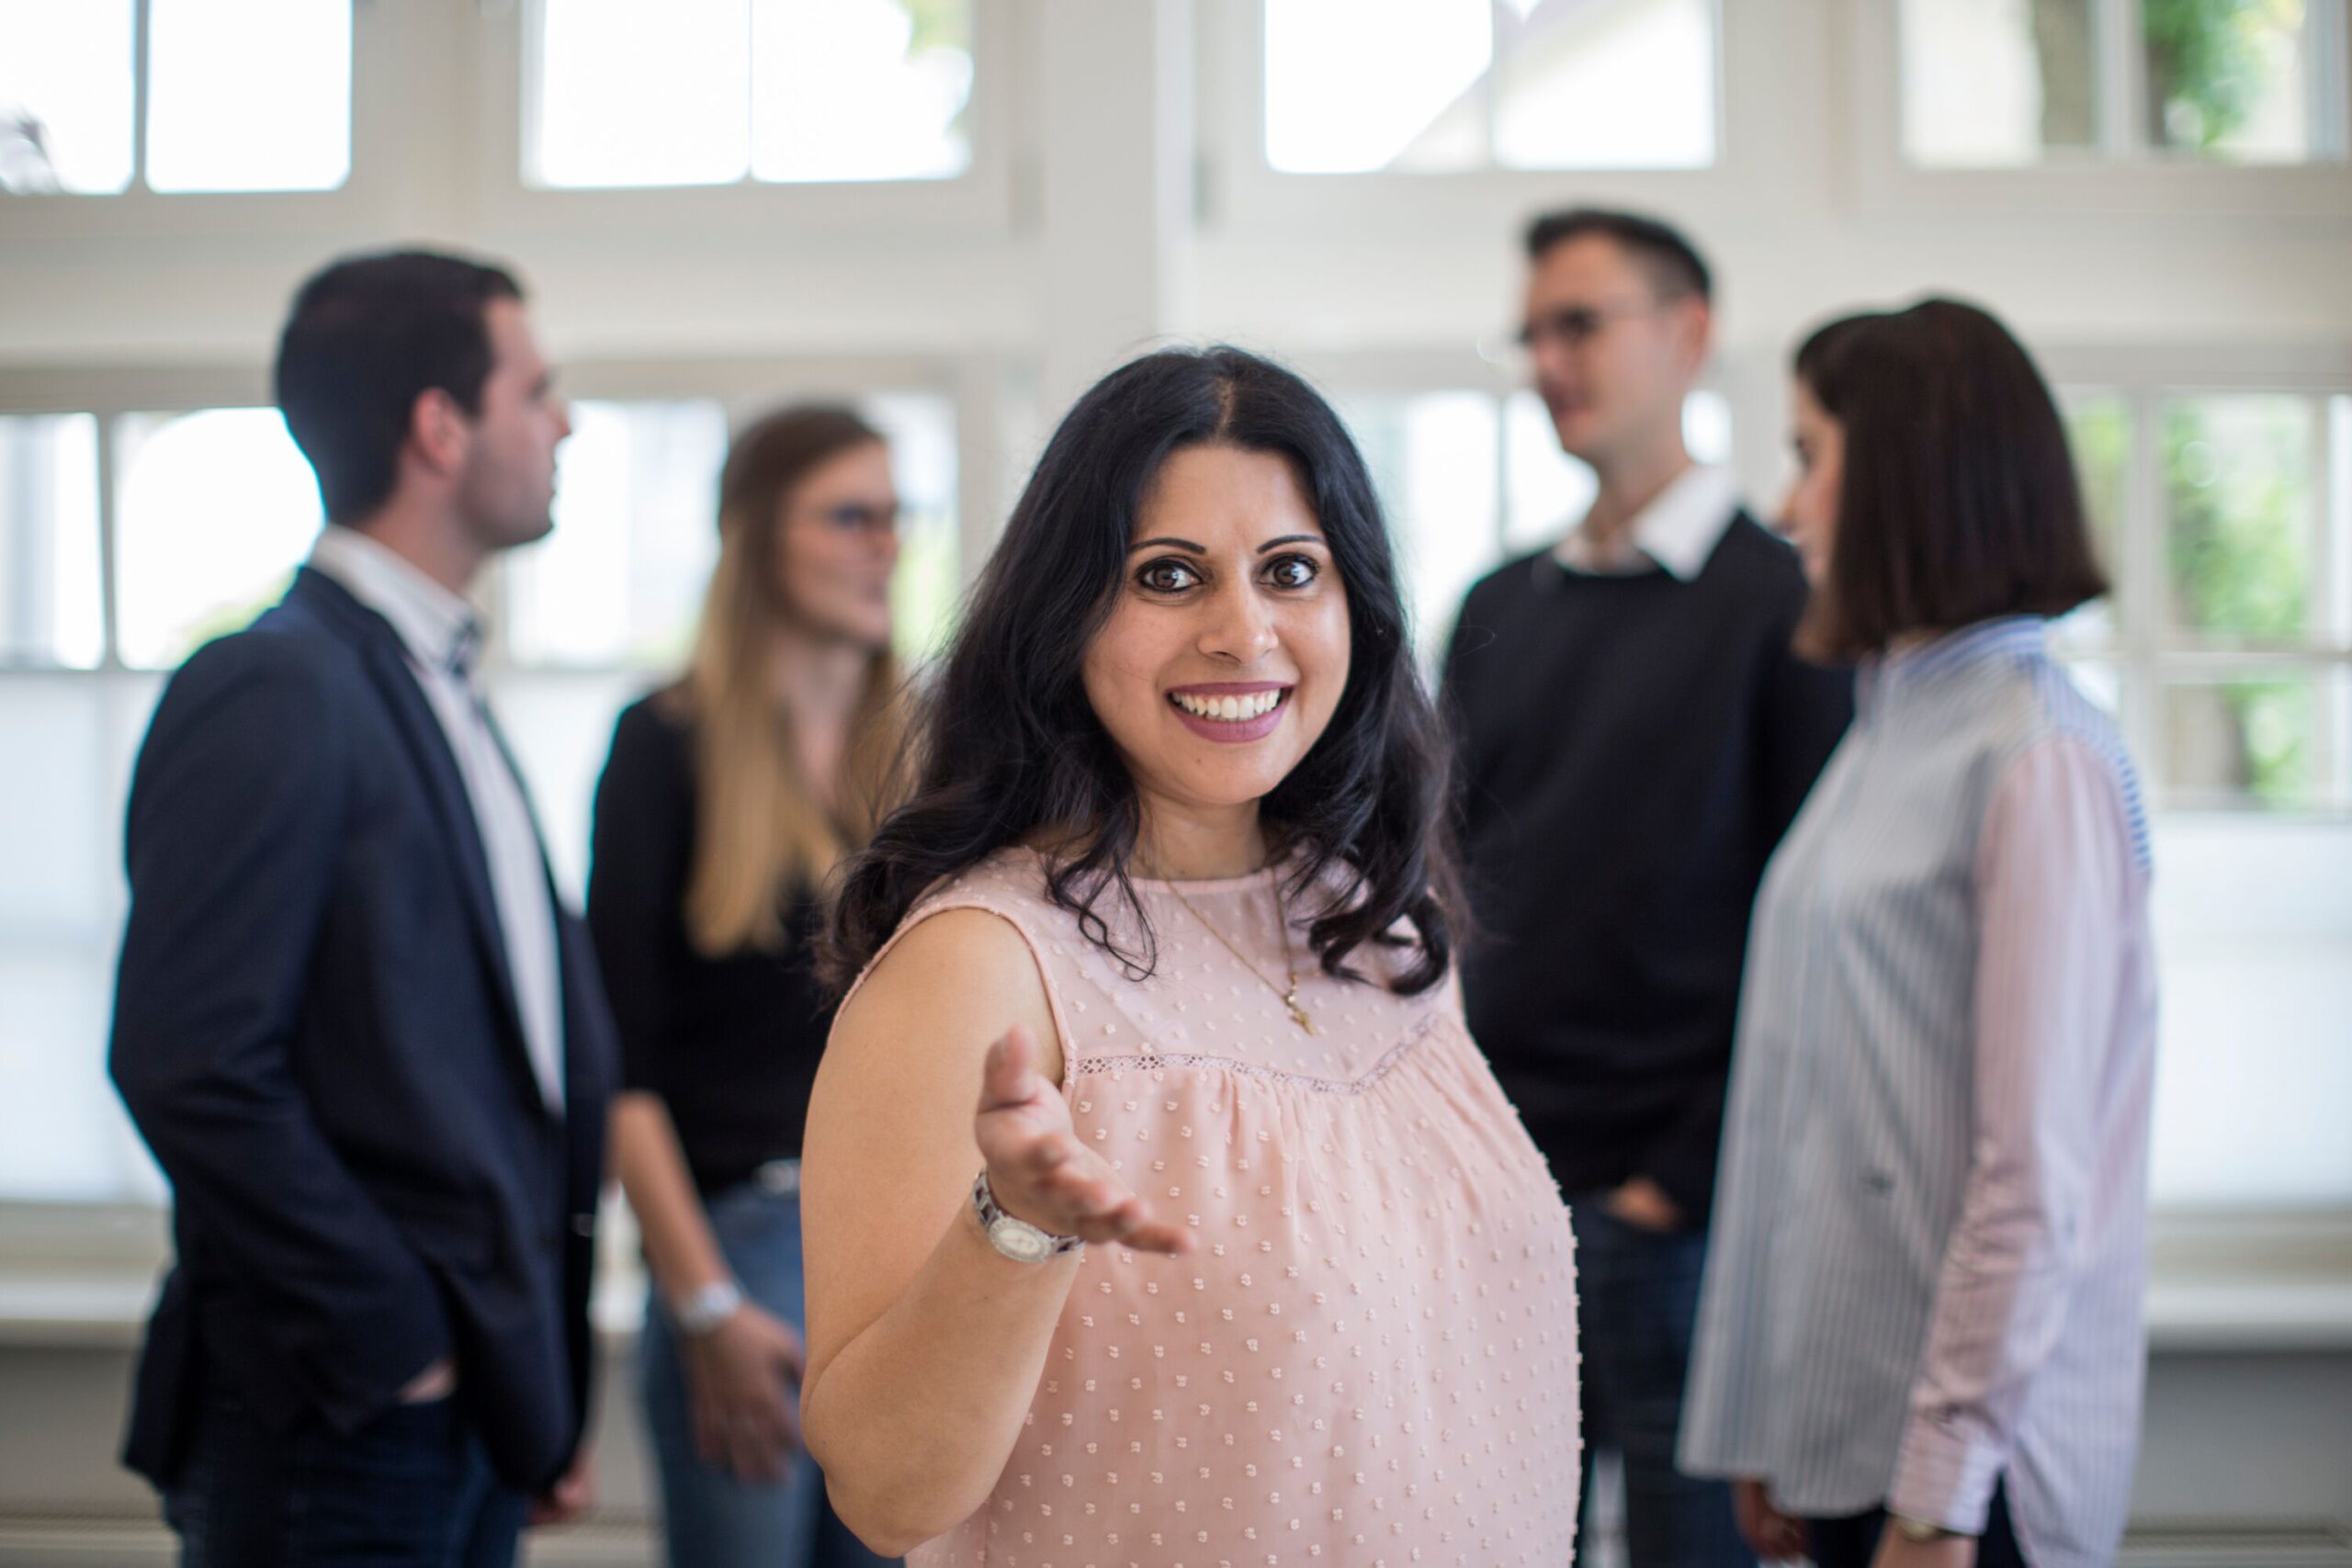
pixel 751 93
pixel 109 597
pixel 2122 79
pixel 2327 44
pixel 138 95
pixel 1499 27
pixel 2145 627
pixel 2331 699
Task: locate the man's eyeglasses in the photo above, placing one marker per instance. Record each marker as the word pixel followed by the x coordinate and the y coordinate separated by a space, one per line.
pixel 1574 326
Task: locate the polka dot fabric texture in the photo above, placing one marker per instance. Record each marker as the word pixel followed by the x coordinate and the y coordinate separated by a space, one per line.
pixel 1370 1357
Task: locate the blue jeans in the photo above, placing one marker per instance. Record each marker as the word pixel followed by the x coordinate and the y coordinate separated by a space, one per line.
pixel 1638 1307
pixel 710 1518
pixel 412 1489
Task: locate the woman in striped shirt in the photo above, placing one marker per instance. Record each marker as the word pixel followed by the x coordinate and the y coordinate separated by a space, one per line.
pixel 1922 1309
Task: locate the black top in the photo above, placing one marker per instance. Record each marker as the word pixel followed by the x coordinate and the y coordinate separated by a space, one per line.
pixel 731 1044
pixel 1632 750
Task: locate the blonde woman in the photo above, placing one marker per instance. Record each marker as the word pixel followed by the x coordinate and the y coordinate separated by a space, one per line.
pixel 726 800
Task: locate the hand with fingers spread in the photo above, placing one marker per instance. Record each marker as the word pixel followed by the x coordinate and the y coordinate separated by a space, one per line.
pixel 743 1383
pixel 1038 1169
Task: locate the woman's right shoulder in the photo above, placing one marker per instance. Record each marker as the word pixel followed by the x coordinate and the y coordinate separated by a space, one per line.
pixel 974 939
pixel 955 978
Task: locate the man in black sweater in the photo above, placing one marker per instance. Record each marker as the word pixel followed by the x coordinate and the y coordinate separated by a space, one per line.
pixel 1635 734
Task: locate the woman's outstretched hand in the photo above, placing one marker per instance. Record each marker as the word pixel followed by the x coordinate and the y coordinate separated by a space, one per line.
pixel 1041 1173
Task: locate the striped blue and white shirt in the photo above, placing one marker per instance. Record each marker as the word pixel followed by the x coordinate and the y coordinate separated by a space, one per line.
pixel 1929 1246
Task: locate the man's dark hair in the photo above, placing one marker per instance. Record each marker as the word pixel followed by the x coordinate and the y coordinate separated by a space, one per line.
pixel 366 337
pixel 1958 501
pixel 1673 262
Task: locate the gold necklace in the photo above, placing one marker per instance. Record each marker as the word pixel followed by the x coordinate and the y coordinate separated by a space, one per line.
pixel 1289 994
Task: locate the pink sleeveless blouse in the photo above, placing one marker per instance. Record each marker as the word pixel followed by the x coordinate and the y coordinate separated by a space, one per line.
pixel 1370 1357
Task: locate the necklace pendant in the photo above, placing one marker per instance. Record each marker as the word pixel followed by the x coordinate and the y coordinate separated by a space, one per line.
pixel 1297 1013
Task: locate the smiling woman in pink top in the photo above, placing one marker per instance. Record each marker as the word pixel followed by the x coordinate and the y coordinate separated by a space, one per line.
pixel 1159 1207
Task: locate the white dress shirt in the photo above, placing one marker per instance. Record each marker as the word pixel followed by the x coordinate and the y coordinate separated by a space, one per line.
pixel 1677 530
pixel 441 635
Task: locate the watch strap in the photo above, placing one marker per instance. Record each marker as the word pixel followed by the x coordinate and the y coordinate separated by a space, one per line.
pixel 708 1307
pixel 1016 1238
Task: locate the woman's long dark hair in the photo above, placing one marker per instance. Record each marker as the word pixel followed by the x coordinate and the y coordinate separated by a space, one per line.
pixel 1010 747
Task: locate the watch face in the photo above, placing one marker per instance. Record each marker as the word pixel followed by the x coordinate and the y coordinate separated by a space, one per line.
pixel 1023 1243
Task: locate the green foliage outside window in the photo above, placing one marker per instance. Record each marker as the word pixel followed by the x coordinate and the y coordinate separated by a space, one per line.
pixel 2206 60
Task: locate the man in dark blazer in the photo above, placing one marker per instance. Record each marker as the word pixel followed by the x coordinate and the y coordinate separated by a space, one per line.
pixel 363 1038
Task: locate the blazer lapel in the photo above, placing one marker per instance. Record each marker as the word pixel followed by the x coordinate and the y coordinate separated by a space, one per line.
pixel 428 747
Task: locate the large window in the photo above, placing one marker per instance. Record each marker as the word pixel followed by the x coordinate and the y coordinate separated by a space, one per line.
pixel 2224 518
pixel 207 513
pixel 1470 477
pixel 2225 522
pixel 237 95
pixel 719 92
pixel 1357 85
pixel 1996 83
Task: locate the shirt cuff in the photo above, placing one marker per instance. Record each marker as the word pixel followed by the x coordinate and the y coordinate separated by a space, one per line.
pixel 1945 1475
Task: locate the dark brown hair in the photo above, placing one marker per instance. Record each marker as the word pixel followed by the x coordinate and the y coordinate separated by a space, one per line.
pixel 1010 746
pixel 366 337
pixel 1958 501
pixel 1659 249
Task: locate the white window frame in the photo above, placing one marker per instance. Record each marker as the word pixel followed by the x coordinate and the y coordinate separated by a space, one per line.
pixel 788 215
pixel 2124 177
pixel 407 117
pixel 382 37
pixel 2147 650
pixel 112 1235
pixel 1241 193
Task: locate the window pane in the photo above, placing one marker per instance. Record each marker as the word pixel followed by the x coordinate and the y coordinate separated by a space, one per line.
pixel 1362 85
pixel 65 96
pixel 2254 939
pixel 860 89
pixel 248 95
pixel 49 541
pixel 215 510
pixel 2229 78
pixel 1990 83
pixel 634 94
pixel 63 1134
pixel 620 580
pixel 1625 84
pixel 927 587
pixel 1545 491
pixel 2339 619
pixel 2099 431
pixel 1706 426
pixel 58 821
pixel 1432 456
pixel 2256 743
pixel 2238 491
pixel 560 725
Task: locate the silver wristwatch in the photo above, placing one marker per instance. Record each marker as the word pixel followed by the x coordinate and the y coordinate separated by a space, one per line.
pixel 706 1308
pixel 1017 1239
